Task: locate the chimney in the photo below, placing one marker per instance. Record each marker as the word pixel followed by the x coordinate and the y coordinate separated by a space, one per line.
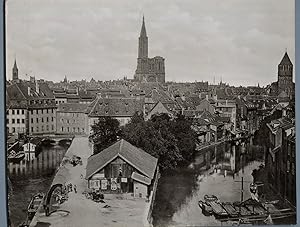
pixel 28 91
pixel 283 112
pixel 37 87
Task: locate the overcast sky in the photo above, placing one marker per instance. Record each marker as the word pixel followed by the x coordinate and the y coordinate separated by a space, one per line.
pixel 240 41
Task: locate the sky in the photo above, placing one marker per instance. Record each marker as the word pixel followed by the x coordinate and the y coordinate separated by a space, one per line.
pixel 240 42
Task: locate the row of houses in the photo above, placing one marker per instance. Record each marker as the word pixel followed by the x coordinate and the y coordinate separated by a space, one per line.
pixel 280 160
pixel 33 108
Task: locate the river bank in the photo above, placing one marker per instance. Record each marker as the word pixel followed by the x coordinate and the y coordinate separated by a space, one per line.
pixel 28 178
pixel 80 211
pixel 215 170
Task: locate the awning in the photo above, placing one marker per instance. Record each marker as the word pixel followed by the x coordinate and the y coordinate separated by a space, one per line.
pixel 140 178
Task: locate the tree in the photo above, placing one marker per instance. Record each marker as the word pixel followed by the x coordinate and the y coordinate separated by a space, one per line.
pixel 186 137
pixel 105 132
pixel 172 141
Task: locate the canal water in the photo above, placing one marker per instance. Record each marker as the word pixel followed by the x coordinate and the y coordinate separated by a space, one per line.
pixel 31 177
pixel 217 170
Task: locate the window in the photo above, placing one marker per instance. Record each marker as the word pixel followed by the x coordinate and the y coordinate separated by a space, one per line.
pixel 47 110
pixel 23 121
pixel 13 121
pixel 62 129
pixel 68 129
pixel 42 120
pixel 37 120
pixel 31 111
pixel 52 118
pixel 42 128
pixel 42 113
pixel 52 127
pixel 47 119
pixel 32 120
pixel 37 128
pixel 31 129
pixel 47 127
pixel 22 111
pixel 17 111
pixel 13 112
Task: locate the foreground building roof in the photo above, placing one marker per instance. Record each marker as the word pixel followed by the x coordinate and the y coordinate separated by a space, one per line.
pixel 136 157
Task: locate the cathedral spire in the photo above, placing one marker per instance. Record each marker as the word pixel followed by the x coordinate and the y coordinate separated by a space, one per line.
pixel 143 42
pixel 143 30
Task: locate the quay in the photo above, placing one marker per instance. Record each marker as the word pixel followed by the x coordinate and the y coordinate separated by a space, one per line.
pixel 78 210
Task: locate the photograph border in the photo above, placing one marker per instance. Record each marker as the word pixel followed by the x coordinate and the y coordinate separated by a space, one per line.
pixel 3 169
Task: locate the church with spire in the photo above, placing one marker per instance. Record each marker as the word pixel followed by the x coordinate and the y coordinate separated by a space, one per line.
pixel 148 69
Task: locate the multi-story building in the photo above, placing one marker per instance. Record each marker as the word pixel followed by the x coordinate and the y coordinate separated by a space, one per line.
pixel 226 108
pixel 120 108
pixel 280 160
pixel 71 118
pixel 31 108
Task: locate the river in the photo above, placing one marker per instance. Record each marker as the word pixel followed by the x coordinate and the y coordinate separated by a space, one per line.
pixel 30 177
pixel 216 170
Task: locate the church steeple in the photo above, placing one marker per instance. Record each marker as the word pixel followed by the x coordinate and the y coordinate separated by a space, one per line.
pixel 15 71
pixel 143 30
pixel 143 42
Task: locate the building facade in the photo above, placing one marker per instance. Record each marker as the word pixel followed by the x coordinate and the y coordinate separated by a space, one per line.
pixel 148 69
pixel 122 168
pixel 71 118
pixel 31 108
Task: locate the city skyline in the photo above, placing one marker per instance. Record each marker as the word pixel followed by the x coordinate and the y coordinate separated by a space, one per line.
pixel 200 40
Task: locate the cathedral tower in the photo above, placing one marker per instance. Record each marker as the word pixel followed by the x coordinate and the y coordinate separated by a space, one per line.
pixel 148 69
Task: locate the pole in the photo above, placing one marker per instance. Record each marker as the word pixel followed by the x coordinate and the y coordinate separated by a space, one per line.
pixel 242 190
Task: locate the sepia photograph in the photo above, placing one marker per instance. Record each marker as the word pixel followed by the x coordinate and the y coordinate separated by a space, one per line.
pixel 150 113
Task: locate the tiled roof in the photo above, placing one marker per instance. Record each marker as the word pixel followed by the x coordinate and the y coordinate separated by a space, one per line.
pixel 139 159
pixel 140 178
pixel 115 107
pixel 72 107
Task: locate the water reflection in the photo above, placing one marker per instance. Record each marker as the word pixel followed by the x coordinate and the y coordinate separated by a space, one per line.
pixel 31 177
pixel 215 170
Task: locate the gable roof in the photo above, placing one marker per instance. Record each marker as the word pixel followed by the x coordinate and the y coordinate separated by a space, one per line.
pixel 72 107
pixel 285 60
pixel 115 107
pixel 139 159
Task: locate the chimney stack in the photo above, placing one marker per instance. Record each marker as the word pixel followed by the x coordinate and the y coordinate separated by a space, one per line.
pixel 37 87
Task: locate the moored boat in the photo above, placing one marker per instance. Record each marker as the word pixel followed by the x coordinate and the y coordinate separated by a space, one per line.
pixel 230 209
pixel 15 157
pixel 206 209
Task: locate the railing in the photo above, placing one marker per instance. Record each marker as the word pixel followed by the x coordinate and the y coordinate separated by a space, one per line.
pixel 149 217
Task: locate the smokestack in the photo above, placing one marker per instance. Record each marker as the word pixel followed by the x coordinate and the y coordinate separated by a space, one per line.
pixel 37 87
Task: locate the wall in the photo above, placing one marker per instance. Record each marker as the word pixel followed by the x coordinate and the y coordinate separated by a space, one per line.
pixel 71 122
pixel 140 190
pixel 42 121
pixel 16 121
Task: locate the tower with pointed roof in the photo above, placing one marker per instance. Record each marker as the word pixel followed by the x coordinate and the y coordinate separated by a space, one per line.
pixel 15 70
pixel 285 76
pixel 148 69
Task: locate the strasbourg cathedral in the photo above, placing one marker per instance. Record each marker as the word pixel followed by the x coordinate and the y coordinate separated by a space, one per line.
pixel 148 69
